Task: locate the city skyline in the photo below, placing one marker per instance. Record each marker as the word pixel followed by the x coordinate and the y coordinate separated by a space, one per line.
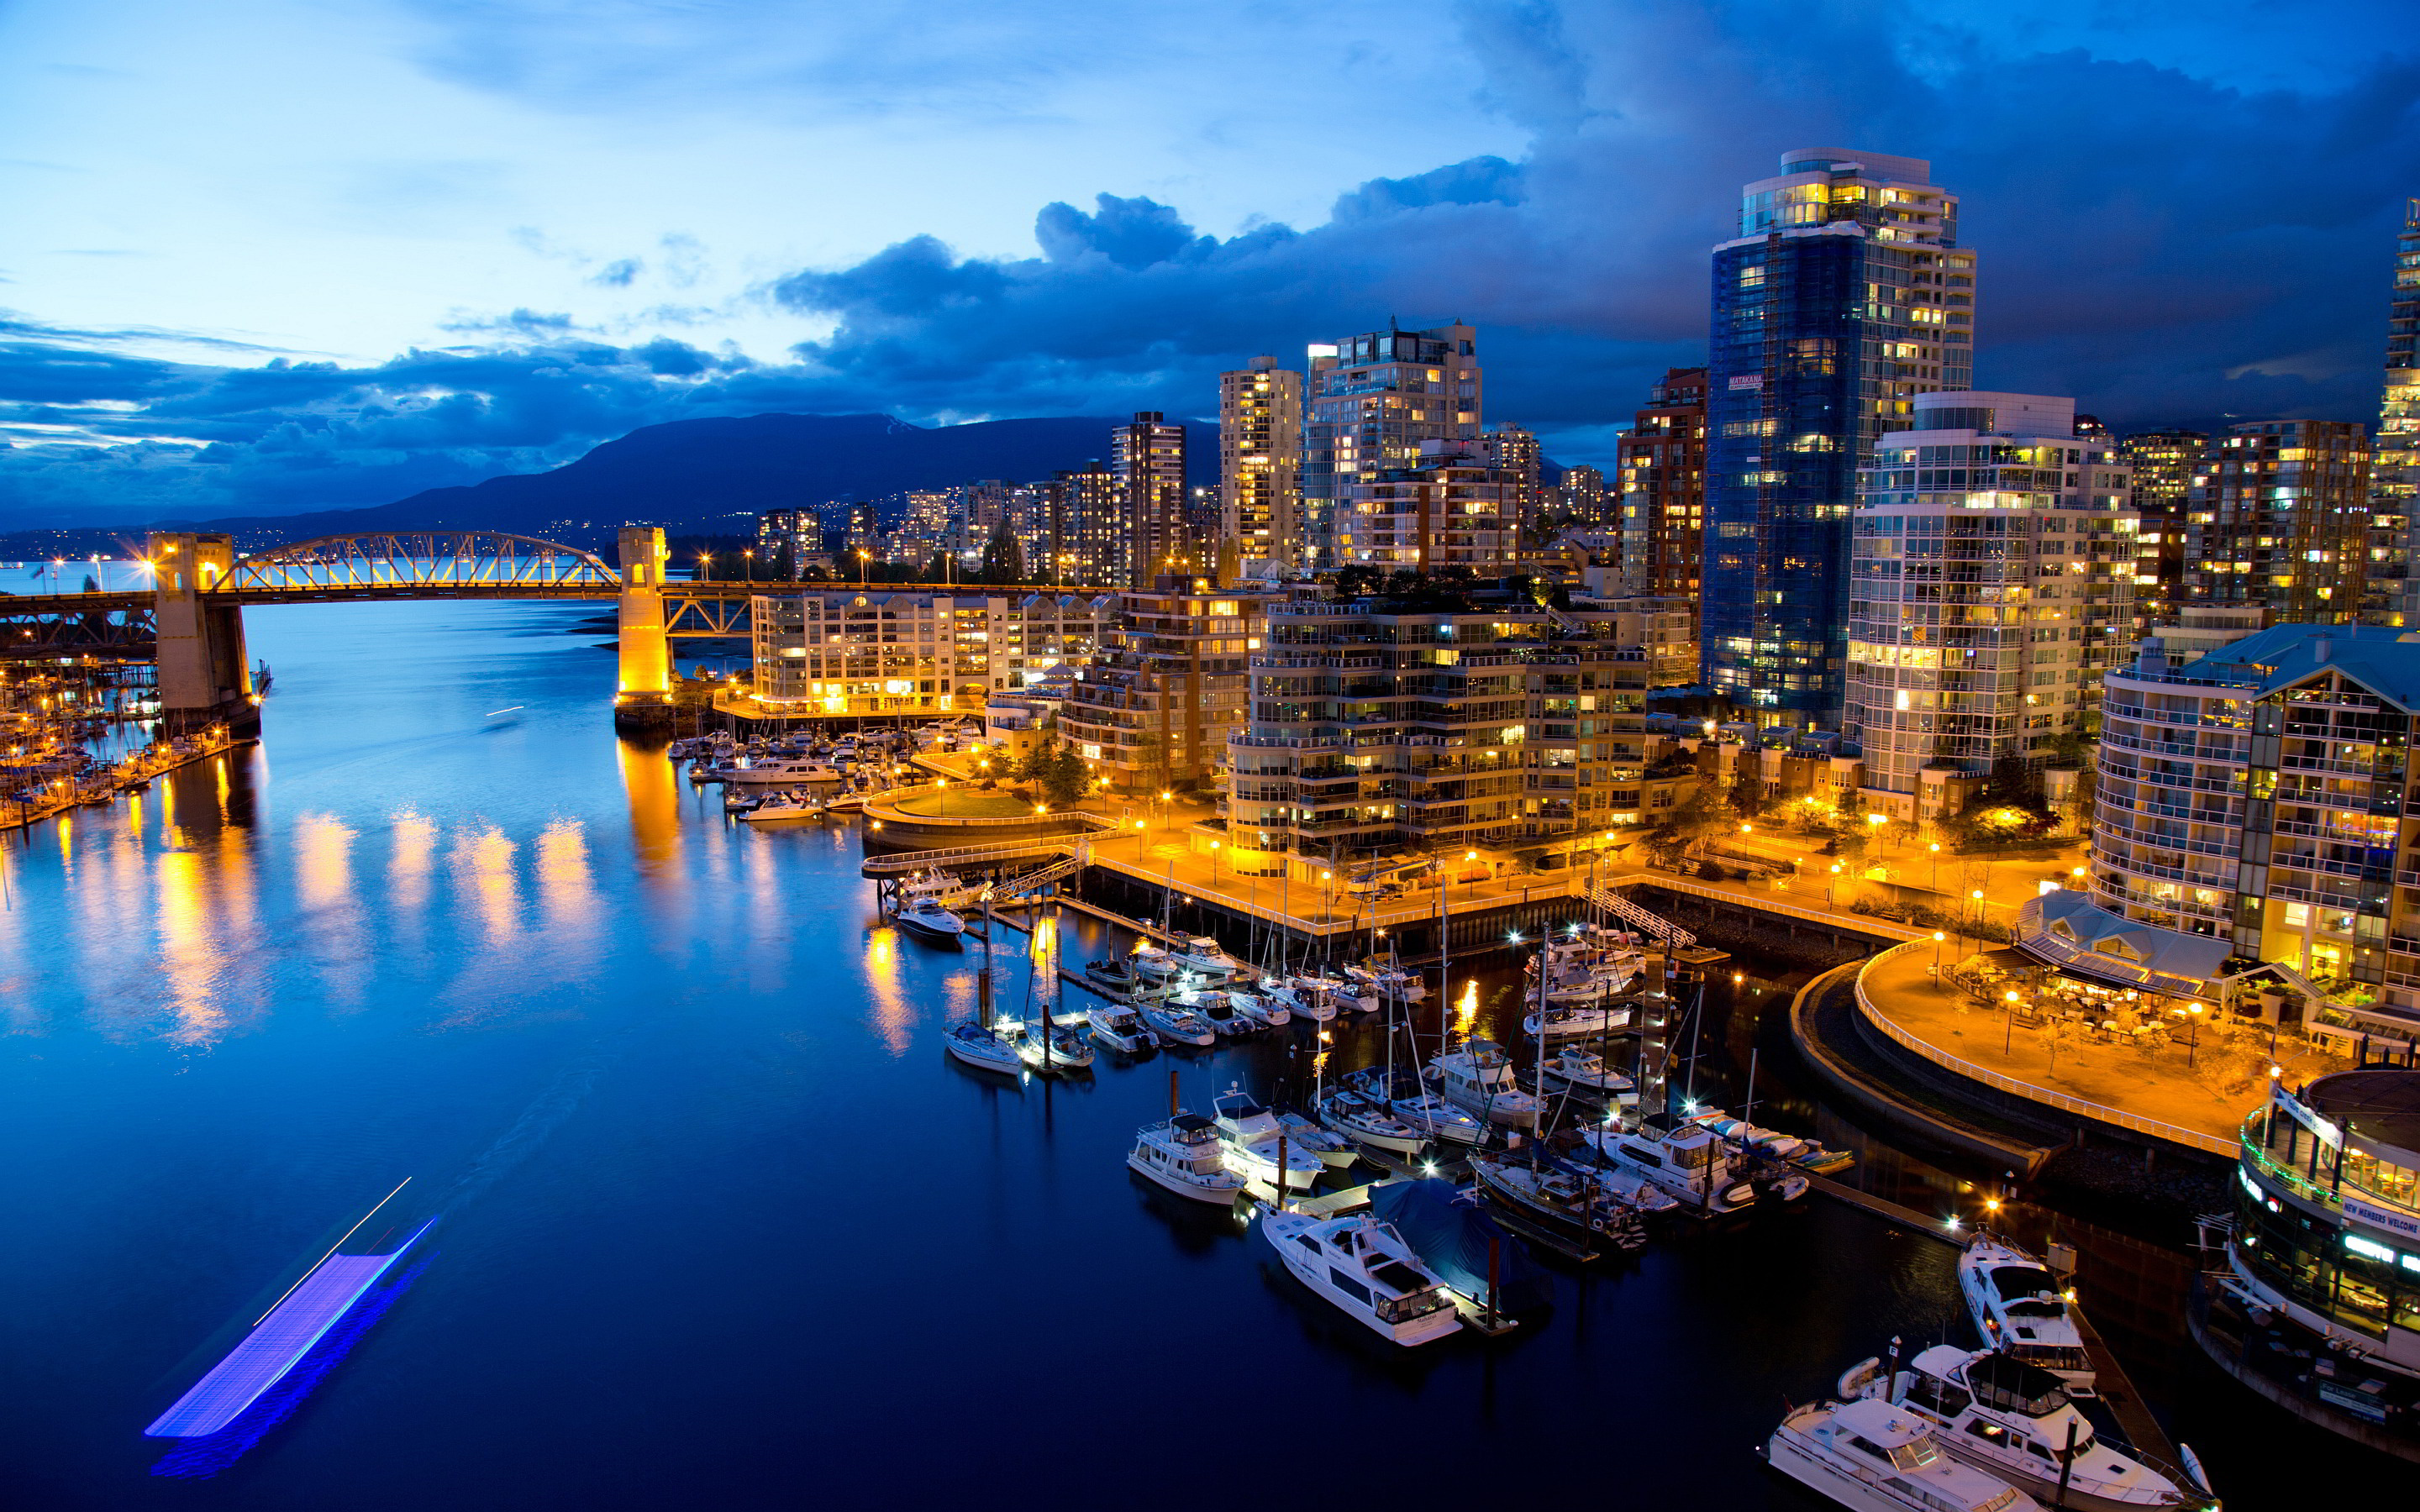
pixel 527 335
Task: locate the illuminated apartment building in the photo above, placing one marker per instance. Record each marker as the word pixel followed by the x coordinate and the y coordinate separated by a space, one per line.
pixel 876 652
pixel 1153 709
pixel 1513 451
pixel 1374 400
pixel 2394 477
pixel 1662 463
pixel 2161 465
pixel 2280 520
pixel 1077 528
pixel 1992 586
pixel 1259 461
pixel 1844 296
pixel 1447 508
pixel 1148 457
pixel 1581 496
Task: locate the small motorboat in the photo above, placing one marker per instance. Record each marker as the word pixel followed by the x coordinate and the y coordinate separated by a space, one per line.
pixel 1299 1000
pixel 1115 975
pixel 1368 1120
pixel 1252 1135
pixel 2016 1421
pixel 739 801
pixel 1226 1019
pixel 1204 954
pixel 2018 1306
pixel 1636 1190
pixel 1174 1023
pixel 1437 1119
pixel 1803 1153
pixel 1120 1027
pixel 1051 1052
pixel 1151 964
pixel 1334 1150
pixel 928 921
pixel 1876 1457
pixel 1268 1011
pixel 1584 1071
pixel 1687 1161
pixel 1363 1267
pixel 1575 1022
pixel 981 1048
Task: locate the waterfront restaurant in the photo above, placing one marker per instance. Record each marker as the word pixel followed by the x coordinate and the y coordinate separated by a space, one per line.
pixel 2324 1259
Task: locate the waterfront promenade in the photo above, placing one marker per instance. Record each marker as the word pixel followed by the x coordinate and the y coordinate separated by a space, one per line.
pixel 2191 1087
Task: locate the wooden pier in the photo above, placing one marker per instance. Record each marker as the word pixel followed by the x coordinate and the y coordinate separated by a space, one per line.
pixel 1906 1217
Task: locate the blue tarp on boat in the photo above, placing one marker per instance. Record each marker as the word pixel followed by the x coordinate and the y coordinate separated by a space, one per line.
pixel 1450 1234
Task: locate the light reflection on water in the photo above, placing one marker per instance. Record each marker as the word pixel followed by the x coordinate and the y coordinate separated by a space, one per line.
pixel 715 1207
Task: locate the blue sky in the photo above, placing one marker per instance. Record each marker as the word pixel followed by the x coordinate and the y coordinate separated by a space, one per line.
pixel 275 254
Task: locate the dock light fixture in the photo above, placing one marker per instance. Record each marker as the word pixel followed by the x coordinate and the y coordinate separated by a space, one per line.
pixel 1990 1204
pixel 1951 1223
pixel 1515 936
pixel 1428 1168
pixel 1470 855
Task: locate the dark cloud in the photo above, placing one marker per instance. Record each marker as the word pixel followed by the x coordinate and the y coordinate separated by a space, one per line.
pixel 2157 242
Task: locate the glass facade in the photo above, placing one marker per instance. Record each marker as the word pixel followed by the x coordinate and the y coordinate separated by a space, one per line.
pixel 1844 297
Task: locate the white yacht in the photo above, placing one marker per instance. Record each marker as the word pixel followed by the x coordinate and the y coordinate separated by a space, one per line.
pixel 1067 1052
pixel 1388 981
pixel 1267 1010
pixel 1688 1162
pixel 927 919
pixel 1635 1189
pixel 1289 993
pixel 1176 1023
pixel 1874 1457
pixel 1184 1156
pixel 780 771
pixel 1363 1267
pixel 1575 1020
pixel 1360 1117
pixel 1151 964
pixel 1250 1133
pixel 1205 955
pixel 2018 1306
pixel 2015 1420
pixel 1586 1073
pixel 982 1048
pixel 1119 1027
pixel 784 809
pixel 1479 1077
pixel 1437 1119
pixel 1561 1201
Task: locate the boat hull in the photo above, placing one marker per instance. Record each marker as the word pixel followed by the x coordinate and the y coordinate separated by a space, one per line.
pixel 1426 1329
pixel 930 933
pixel 1786 1454
pixel 1222 1196
pixel 1004 1060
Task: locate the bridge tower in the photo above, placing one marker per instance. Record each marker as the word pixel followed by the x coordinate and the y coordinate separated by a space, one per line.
pixel 205 676
pixel 643 698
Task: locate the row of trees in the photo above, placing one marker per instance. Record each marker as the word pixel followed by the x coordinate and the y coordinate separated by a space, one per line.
pixel 1054 767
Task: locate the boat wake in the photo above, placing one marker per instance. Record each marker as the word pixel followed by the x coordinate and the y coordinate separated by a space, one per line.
pixel 200 1458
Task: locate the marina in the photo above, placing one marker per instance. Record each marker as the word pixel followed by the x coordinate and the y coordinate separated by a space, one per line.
pixel 668 1077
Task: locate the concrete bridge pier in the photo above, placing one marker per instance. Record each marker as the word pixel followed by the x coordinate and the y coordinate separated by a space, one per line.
pixel 642 697
pixel 205 673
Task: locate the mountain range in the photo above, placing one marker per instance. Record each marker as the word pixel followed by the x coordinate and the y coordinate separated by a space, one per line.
pixel 691 476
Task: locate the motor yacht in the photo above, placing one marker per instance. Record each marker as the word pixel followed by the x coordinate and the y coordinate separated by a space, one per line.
pixel 1252 1132
pixel 925 918
pixel 1561 1201
pixel 1437 1119
pixel 1368 1120
pixel 1571 1068
pixel 1267 1010
pixel 981 1048
pixel 1184 1156
pixel 1116 976
pixel 739 801
pixel 1363 1267
pixel 1687 1161
pixel 1297 1000
pixel 1119 1027
pixel 1174 1023
pixel 780 771
pixel 1387 983
pixel 1575 1020
pixel 1478 1078
pixel 2016 1421
pixel 1151 964
pixel 1875 1457
pixel 2018 1306
pixel 784 809
pixel 1203 955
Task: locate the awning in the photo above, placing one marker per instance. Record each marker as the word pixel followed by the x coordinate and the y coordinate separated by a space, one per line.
pixel 2068 931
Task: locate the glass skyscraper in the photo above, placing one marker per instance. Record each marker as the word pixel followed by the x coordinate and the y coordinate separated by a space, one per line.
pixel 1844 296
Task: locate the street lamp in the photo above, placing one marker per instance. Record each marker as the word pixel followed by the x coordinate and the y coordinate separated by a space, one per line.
pixel 2009 1035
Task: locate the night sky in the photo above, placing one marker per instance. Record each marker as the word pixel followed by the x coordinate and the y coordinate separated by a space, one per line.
pixel 264 255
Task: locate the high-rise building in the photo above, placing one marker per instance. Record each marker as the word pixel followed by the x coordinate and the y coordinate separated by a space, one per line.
pixel 1259 461
pixel 1375 399
pixel 1662 463
pixel 1992 586
pixel 1844 296
pixel 2280 520
pixel 882 652
pixel 1513 450
pixel 2394 477
pixel 1148 457
pixel 1446 508
pixel 2160 466
pixel 1582 499
pixel 790 540
pixel 861 534
pixel 1080 534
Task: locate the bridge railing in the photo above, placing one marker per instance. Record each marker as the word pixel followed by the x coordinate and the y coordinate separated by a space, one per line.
pixel 426 559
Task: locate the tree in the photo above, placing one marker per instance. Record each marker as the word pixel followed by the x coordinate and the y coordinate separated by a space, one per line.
pixel 1067 780
pixel 1038 761
pixel 1004 559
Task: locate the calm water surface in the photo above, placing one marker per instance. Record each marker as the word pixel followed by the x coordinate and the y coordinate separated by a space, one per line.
pixel 721 1224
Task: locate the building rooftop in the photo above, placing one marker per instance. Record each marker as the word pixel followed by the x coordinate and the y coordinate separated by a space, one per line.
pixel 2380 657
pixel 2380 1105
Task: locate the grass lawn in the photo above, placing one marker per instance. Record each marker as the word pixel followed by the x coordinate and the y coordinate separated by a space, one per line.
pixel 962 803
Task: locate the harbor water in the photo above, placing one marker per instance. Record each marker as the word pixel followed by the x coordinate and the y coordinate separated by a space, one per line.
pixel 719 1225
